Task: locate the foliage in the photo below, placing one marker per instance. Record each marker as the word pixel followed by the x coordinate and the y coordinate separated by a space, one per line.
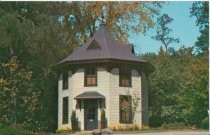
pixel 85 17
pixel 18 96
pixel 163 32
pixel 200 10
pixel 196 92
pixel 74 121
pixel 178 88
pixel 135 104
pixel 103 119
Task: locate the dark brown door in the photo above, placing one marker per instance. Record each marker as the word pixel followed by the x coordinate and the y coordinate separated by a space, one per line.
pixel 91 114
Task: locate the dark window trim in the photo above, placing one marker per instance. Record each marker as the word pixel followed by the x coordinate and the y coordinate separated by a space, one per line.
pixel 120 110
pixel 85 77
pixel 65 110
pixel 65 79
pixel 128 76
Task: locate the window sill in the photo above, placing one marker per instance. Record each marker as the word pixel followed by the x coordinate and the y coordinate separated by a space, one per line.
pixel 125 122
pixel 90 85
pixel 124 86
pixel 65 123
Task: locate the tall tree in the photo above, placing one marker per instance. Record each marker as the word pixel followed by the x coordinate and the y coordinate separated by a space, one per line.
pixel 201 11
pixel 195 92
pixel 163 31
pixel 178 88
pixel 85 17
pixel 164 87
pixel 19 97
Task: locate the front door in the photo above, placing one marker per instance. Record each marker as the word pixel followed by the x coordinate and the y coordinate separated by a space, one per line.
pixel 91 114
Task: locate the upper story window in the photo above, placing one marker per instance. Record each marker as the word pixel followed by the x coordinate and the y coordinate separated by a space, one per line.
pixel 125 77
pixel 90 76
pixel 65 80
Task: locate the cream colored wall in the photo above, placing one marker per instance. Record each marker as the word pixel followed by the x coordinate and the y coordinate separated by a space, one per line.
pixel 61 94
pixel 145 110
pixel 116 90
pixel 102 87
pixel 107 85
pixel 77 87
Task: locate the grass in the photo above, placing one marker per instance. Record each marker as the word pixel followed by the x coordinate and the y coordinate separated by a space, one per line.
pixel 14 131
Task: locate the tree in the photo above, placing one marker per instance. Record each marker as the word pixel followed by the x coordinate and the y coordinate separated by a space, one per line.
pixel 135 106
pixel 164 84
pixel 195 92
pixel 178 88
pixel 201 11
pixel 18 96
pixel 84 18
pixel 163 32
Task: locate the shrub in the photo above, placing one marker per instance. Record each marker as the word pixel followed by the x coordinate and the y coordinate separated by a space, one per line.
pixel 64 130
pixel 175 125
pixel 128 127
pixel 103 119
pixel 205 123
pixel 74 121
pixel 144 127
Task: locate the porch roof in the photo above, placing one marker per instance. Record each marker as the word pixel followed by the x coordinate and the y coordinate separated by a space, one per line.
pixel 90 95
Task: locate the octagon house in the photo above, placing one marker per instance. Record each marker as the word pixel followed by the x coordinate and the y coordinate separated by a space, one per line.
pixel 102 74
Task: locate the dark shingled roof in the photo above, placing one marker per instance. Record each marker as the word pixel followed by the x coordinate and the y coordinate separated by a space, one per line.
pixel 90 95
pixel 102 46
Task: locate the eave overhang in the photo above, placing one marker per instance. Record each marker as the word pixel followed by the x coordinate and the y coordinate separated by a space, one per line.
pixel 143 65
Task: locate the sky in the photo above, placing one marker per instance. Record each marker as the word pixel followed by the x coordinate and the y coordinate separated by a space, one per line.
pixel 183 27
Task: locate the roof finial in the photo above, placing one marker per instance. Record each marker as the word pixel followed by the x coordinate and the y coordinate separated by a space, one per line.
pixel 102 18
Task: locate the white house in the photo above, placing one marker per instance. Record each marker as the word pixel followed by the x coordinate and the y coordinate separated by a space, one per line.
pixel 102 74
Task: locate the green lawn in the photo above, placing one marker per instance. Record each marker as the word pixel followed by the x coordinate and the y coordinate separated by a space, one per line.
pixel 14 131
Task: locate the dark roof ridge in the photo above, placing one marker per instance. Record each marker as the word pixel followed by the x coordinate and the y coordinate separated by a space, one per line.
pixel 104 38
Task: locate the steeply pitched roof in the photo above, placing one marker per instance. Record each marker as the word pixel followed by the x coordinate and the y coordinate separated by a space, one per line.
pixel 102 46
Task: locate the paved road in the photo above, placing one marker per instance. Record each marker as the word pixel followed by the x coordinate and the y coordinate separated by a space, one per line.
pixel 171 133
pixel 154 133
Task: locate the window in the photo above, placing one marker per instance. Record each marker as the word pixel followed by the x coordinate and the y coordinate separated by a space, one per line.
pixel 90 76
pixel 125 109
pixel 65 110
pixel 94 45
pixel 65 80
pixel 91 113
pixel 125 77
